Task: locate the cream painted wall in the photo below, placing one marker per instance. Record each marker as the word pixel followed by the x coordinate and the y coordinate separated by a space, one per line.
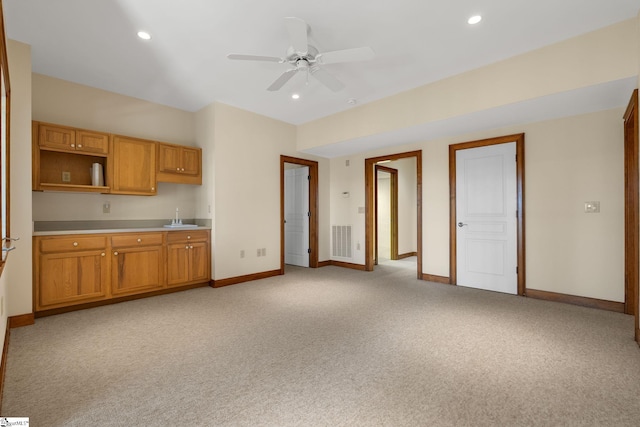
pixel 246 184
pixel 205 194
pixel 18 269
pixel 568 162
pixel 601 56
pixel 62 102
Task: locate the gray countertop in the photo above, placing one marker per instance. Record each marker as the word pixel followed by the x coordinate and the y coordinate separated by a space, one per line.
pixel 57 228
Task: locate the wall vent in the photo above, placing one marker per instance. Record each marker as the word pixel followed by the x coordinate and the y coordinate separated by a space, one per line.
pixel 341 239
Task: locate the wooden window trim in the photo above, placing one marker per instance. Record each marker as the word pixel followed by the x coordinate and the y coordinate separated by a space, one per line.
pixel 4 174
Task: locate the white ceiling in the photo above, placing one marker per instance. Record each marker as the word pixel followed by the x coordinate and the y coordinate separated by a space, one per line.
pixel 185 66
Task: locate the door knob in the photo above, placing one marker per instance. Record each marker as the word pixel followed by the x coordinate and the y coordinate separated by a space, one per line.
pixel 462 224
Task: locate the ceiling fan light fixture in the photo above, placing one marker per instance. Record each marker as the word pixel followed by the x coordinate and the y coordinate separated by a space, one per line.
pixel 144 35
pixel 474 19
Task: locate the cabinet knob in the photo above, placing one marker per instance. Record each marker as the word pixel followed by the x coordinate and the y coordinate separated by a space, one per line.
pixel 178 169
pixel 116 253
pixel 79 145
pixel 139 240
pixel 153 188
pixel 75 243
pixel 191 247
pixel 188 237
pixel 182 170
pixel 186 247
pixel 73 145
pixel 102 254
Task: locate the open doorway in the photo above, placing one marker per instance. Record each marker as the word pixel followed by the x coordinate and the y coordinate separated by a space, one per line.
pixel 415 223
pixel 386 229
pixel 307 183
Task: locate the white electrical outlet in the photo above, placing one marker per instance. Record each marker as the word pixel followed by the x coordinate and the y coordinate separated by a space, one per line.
pixel 259 252
pixel 106 207
pixel 264 251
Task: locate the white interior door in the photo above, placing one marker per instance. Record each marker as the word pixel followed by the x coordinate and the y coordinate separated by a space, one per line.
pixel 486 204
pixel 296 216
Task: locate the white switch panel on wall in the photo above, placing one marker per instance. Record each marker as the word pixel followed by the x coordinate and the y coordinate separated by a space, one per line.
pixel 591 207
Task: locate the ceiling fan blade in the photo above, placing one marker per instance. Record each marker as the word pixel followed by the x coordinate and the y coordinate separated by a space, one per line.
pixel 297 29
pixel 280 81
pixel 326 79
pixel 346 55
pixel 254 58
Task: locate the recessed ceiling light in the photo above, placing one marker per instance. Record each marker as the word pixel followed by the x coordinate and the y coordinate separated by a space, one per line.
pixel 295 96
pixel 144 35
pixel 351 101
pixel 474 19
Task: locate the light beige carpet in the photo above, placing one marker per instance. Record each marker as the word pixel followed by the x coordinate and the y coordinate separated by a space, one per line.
pixel 327 347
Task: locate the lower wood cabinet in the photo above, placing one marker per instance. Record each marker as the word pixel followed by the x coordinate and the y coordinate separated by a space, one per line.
pixel 77 269
pixel 137 263
pixel 187 257
pixel 70 278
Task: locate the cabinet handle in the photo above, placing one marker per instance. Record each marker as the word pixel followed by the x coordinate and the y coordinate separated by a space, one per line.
pixel 75 243
pixel 116 253
pixel 139 240
pixel 102 254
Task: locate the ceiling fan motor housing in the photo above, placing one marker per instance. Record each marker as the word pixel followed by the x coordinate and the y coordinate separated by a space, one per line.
pixel 294 58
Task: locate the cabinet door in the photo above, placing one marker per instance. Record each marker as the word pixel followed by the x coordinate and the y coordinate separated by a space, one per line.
pixel 169 158
pixel 190 161
pixel 177 264
pixel 92 142
pixel 57 137
pixel 199 261
pixel 71 278
pixel 136 270
pixel 134 166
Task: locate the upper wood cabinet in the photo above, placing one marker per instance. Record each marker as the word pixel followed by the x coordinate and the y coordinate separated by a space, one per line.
pixel 179 164
pixel 133 169
pixel 62 158
pixel 65 138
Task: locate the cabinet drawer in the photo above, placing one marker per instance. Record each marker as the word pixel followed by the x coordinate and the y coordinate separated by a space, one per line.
pixel 77 243
pixel 136 239
pixel 184 236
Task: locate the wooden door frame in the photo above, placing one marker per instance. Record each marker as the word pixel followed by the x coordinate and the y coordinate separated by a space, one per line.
pixel 393 192
pixel 313 208
pixel 453 229
pixel 369 205
pixel 631 210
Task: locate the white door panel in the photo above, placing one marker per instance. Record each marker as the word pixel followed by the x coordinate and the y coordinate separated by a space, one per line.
pixel 486 203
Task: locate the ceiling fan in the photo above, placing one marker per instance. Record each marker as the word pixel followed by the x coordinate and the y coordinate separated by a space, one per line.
pixel 306 58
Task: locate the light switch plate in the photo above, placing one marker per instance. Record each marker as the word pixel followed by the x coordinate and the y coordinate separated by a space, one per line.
pixel 591 207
